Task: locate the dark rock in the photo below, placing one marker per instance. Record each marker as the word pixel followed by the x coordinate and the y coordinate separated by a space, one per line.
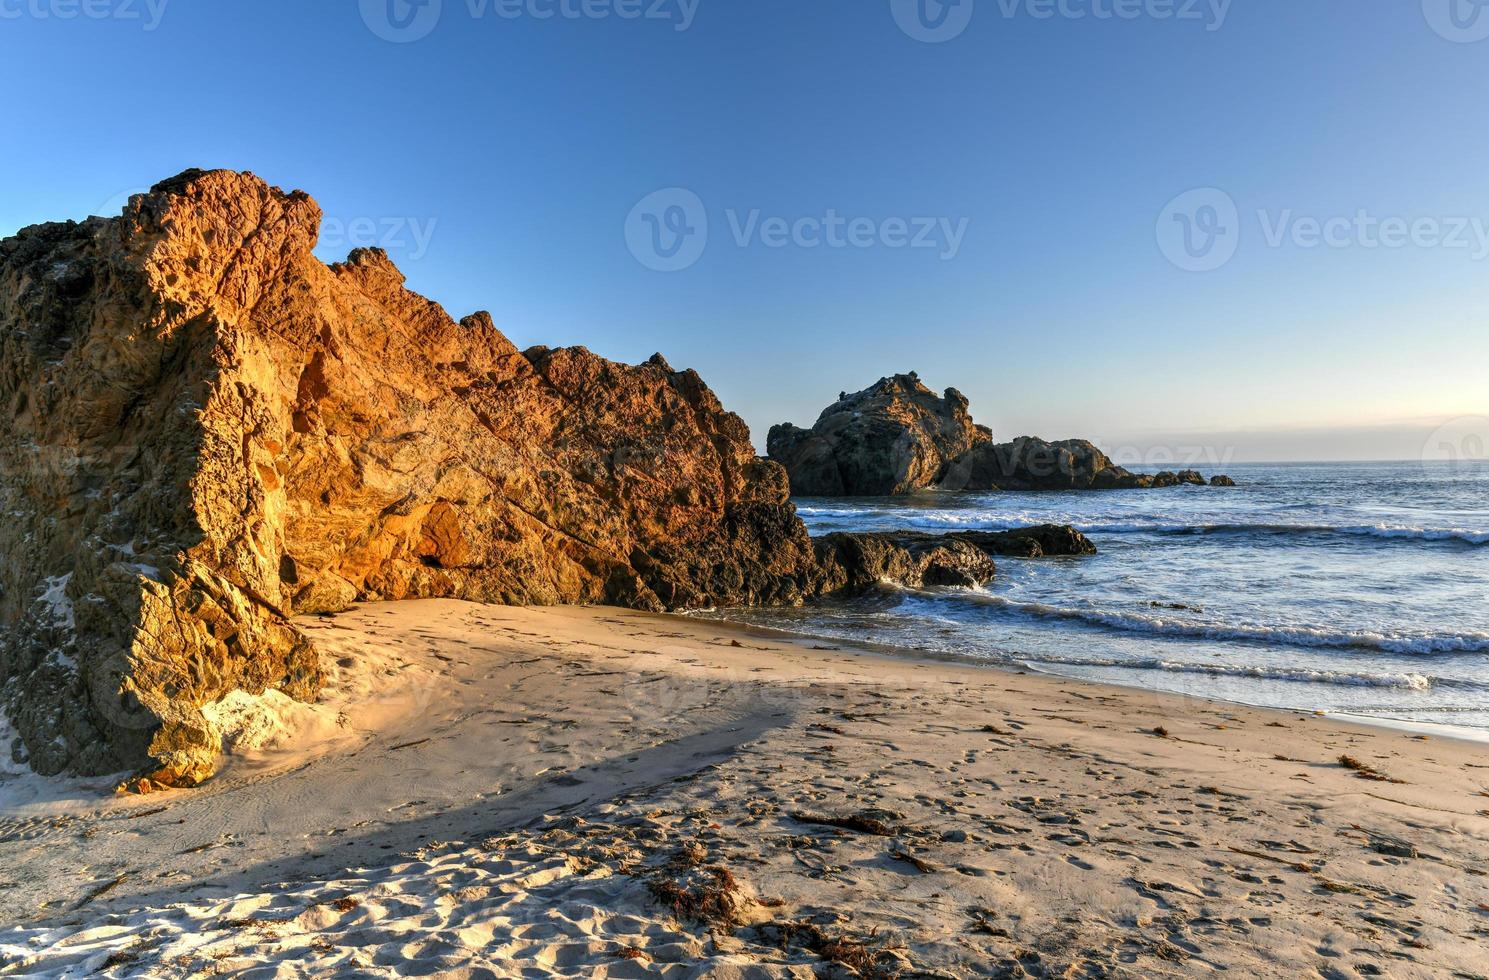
pixel 853 562
pixel 1222 481
pixel 899 437
pixel 1044 541
pixel 895 437
pixel 1028 463
pixel 858 562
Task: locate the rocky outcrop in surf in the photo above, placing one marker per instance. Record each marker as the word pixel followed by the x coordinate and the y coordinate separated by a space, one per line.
pixel 1041 541
pixel 898 437
pixel 894 437
pixel 858 562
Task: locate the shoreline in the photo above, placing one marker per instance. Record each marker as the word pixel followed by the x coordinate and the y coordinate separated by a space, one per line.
pixel 513 788
pixel 1462 733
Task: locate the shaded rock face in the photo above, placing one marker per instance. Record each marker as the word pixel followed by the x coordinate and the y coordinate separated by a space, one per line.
pixel 1028 463
pixel 898 437
pixel 858 562
pixel 213 431
pixel 895 437
pixel 1043 541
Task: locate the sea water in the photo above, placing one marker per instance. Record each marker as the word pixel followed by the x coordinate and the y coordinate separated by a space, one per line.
pixel 1347 587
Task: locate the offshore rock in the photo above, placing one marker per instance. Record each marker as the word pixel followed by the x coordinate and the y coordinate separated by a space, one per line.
pixel 898 437
pixel 895 437
pixel 858 562
pixel 1042 541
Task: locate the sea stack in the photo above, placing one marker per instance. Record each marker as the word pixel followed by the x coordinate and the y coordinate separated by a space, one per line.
pixel 897 437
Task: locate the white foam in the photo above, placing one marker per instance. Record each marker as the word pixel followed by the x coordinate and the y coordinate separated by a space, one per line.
pixel 1304 636
pixel 931 519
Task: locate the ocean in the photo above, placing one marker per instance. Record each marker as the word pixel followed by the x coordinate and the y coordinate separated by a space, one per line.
pixel 1358 588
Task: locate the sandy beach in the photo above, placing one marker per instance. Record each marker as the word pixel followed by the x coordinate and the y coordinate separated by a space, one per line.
pixel 593 792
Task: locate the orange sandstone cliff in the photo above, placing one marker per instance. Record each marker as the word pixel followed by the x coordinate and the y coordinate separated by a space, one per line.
pixel 211 431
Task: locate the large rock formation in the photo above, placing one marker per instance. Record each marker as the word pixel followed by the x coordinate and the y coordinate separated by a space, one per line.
pixel 895 437
pixel 898 437
pixel 212 431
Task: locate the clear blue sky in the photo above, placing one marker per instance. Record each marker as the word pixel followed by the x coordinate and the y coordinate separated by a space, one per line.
pixel 1055 144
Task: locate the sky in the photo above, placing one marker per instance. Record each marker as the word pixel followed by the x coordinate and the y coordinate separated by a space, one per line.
pixel 1249 231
